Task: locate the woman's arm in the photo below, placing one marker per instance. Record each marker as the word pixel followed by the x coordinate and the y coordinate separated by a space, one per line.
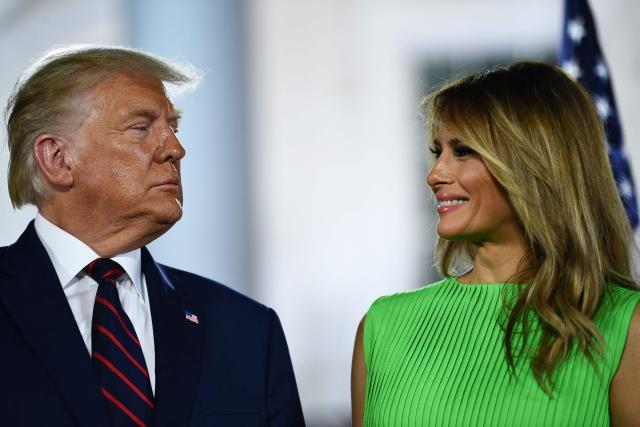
pixel 625 387
pixel 358 378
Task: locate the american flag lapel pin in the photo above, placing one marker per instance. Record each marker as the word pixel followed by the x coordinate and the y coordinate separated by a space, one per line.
pixel 191 317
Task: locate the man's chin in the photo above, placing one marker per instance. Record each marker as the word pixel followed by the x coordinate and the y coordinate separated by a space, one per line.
pixel 159 226
pixel 169 212
pixel 166 219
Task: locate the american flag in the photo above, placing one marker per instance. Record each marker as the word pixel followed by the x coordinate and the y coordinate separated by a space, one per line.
pixel 191 317
pixel 581 57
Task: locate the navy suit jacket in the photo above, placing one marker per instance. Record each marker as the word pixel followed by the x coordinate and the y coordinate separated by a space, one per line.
pixel 231 369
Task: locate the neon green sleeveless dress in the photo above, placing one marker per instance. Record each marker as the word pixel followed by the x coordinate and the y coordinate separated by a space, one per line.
pixel 435 357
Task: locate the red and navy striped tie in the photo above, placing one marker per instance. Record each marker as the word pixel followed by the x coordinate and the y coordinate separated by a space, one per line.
pixel 116 352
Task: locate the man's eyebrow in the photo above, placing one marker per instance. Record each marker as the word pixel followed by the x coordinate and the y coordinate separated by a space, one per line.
pixel 143 112
pixel 175 114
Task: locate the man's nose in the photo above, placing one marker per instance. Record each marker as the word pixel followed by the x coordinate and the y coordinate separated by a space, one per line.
pixel 170 149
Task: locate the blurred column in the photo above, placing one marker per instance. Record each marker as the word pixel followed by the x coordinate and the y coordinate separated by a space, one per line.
pixel 211 238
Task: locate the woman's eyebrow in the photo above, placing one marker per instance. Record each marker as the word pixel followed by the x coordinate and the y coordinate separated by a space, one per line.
pixel 452 141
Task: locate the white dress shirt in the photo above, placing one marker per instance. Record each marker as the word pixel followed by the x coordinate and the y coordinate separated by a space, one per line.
pixel 69 256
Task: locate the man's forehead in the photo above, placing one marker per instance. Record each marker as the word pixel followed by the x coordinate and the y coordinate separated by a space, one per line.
pixel 133 95
pixel 133 77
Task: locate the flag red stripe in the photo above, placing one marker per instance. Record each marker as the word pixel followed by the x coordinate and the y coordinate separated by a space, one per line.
pixel 113 309
pixel 122 407
pixel 123 378
pixel 106 332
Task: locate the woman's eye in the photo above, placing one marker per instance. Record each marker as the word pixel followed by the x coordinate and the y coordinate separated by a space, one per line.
pixel 435 151
pixel 462 150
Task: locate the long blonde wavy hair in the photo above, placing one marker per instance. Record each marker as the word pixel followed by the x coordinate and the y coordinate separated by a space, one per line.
pixel 540 136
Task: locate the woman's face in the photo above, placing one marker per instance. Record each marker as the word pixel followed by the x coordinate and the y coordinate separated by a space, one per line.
pixel 471 204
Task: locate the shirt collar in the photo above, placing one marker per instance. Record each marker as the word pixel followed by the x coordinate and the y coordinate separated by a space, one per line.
pixel 70 255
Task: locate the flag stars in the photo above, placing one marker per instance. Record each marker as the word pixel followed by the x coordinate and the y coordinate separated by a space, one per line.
pixel 600 70
pixel 603 106
pixel 572 68
pixel 626 191
pixel 575 30
pixel 582 59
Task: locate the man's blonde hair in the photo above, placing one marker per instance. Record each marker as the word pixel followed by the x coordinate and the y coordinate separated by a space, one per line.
pixel 42 101
pixel 539 135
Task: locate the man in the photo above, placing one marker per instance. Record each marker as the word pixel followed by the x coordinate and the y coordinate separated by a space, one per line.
pixel 94 332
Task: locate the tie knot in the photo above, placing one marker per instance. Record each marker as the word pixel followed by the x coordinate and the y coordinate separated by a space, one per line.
pixel 104 270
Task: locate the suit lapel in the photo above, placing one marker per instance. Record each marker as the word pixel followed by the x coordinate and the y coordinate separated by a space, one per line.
pixel 34 297
pixel 177 346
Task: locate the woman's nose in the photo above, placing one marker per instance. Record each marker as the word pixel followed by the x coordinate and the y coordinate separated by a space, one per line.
pixel 439 173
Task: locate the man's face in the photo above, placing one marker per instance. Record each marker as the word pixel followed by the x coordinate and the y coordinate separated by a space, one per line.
pixel 125 155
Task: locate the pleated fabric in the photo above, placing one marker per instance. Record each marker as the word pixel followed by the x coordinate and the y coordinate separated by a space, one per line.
pixel 435 357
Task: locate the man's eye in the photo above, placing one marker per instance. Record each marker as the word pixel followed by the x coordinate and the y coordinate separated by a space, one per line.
pixel 142 128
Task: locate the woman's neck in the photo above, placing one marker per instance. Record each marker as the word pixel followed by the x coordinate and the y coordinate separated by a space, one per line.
pixel 495 263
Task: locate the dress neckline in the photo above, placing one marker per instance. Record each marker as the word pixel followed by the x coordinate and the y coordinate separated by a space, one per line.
pixel 490 286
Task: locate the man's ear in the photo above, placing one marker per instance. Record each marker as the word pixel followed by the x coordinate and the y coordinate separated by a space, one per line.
pixel 51 154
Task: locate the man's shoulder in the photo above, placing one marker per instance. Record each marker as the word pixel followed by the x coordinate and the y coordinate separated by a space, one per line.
pixel 8 256
pixel 3 256
pixel 210 292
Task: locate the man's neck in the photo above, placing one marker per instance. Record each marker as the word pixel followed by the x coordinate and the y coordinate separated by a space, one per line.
pixel 69 255
pixel 105 238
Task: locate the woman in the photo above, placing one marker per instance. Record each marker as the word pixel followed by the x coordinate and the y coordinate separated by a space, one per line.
pixel 530 324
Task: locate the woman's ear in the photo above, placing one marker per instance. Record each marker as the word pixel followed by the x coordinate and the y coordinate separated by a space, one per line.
pixel 52 157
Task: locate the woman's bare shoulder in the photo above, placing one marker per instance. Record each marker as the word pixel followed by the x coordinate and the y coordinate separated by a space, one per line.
pixel 625 387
